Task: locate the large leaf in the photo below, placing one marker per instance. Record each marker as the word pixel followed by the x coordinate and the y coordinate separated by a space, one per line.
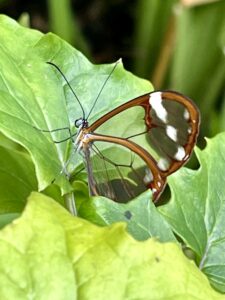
pixel 32 94
pixel 197 209
pixel 17 180
pixel 142 217
pixel 48 254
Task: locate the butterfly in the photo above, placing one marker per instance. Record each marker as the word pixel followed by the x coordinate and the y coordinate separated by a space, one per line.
pixel 137 145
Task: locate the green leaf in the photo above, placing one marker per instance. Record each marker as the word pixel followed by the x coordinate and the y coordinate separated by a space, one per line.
pixel 48 254
pixel 196 211
pixel 32 93
pixel 222 115
pixel 7 218
pixel 7 143
pixel 142 217
pixel 17 180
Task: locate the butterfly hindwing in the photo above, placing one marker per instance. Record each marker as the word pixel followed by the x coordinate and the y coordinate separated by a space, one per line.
pixel 117 172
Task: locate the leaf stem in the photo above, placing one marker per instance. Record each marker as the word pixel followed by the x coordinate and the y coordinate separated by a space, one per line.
pixel 70 203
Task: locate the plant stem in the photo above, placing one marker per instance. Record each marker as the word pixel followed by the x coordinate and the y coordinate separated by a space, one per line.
pixel 70 203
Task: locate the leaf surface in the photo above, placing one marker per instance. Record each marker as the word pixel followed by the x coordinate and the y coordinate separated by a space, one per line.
pixel 197 209
pixel 17 180
pixel 142 217
pixel 48 254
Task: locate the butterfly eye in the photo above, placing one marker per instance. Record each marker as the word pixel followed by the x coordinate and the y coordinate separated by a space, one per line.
pixel 81 123
pixel 78 122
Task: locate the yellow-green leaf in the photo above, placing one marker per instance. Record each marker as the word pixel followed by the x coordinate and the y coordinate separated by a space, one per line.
pixel 48 254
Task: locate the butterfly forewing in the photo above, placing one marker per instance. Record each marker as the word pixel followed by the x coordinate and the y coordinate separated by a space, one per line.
pixel 147 138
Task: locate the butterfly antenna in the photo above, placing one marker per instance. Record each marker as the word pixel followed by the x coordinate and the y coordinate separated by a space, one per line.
pixel 99 93
pixel 58 69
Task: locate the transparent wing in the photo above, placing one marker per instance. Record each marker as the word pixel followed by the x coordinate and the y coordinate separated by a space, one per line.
pixel 116 171
pixel 154 136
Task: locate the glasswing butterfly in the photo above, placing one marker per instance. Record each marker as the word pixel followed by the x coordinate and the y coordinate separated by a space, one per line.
pixel 120 166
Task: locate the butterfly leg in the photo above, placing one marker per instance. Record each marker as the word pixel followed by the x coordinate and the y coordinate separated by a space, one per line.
pixel 64 168
pixel 70 137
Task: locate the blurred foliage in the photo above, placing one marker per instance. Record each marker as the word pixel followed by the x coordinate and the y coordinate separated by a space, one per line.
pixel 69 28
pixel 24 19
pixel 175 44
pixel 153 21
pixel 198 67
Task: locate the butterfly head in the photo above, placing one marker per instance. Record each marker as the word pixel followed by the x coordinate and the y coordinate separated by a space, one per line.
pixel 81 123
